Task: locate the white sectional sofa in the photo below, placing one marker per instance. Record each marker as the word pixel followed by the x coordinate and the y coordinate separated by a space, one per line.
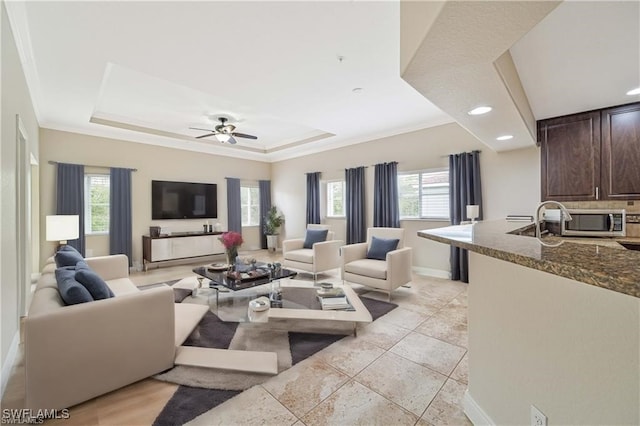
pixel 77 352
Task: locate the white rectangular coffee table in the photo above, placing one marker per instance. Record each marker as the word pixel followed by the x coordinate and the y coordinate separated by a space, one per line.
pixel 301 309
pixel 300 313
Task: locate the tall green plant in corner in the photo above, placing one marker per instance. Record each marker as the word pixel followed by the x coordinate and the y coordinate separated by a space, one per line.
pixel 273 221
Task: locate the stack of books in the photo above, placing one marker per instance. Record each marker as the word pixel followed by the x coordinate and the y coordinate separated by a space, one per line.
pixel 333 303
pixel 332 298
pixel 330 292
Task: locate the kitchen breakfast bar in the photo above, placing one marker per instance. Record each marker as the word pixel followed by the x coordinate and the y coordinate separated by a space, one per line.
pixel 557 328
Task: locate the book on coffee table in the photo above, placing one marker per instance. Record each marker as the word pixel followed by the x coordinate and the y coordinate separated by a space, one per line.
pixel 330 292
pixel 332 303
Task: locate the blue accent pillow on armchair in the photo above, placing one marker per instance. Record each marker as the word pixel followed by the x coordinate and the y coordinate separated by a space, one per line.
pixel 380 247
pixel 71 291
pixel 92 281
pixel 67 256
pixel 314 236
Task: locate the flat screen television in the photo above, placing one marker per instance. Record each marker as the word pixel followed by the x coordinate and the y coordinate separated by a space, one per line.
pixel 183 200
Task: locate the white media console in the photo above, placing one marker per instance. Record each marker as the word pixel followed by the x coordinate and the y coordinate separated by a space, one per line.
pixel 180 246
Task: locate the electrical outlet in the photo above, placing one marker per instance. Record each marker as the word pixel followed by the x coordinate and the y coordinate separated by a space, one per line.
pixel 537 418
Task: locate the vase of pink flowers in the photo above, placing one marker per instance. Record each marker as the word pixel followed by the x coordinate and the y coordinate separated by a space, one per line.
pixel 231 241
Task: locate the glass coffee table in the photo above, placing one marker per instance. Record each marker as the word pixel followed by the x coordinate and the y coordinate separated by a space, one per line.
pixel 261 276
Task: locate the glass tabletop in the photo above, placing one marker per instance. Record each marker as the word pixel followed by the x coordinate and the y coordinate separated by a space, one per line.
pixel 233 306
pixel 250 276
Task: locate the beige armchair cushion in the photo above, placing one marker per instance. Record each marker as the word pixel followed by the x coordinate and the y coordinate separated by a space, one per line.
pixel 301 255
pixel 368 267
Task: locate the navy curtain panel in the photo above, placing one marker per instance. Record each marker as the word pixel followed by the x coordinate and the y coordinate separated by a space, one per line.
pixel 313 197
pixel 386 210
pixel 234 209
pixel 264 187
pixel 120 213
pixel 355 207
pixel 70 197
pixel 464 189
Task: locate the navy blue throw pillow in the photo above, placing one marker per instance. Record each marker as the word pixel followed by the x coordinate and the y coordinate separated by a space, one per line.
pixel 314 236
pixel 71 291
pixel 92 281
pixel 380 247
pixel 67 256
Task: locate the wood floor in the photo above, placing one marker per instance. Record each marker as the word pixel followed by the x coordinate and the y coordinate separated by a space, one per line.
pixel 136 404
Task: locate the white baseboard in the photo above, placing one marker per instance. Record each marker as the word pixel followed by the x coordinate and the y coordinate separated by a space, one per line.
pixel 438 273
pixel 474 412
pixel 9 361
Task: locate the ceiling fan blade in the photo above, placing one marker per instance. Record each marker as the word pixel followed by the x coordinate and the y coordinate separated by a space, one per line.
pixel 204 130
pixel 242 135
pixel 232 140
pixel 205 136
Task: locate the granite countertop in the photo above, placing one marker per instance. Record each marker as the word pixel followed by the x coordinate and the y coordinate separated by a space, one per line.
pixel 595 261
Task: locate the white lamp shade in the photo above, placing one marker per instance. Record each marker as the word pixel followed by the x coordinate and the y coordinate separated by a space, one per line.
pixel 473 211
pixel 63 227
pixel 223 137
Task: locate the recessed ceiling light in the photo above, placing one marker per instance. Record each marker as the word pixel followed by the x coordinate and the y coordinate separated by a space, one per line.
pixel 504 137
pixel 480 110
pixel 635 91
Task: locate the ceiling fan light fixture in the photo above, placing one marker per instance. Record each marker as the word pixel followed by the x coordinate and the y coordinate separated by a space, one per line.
pixel 223 137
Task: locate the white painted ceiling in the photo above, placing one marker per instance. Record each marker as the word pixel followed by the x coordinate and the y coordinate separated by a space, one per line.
pixel 147 71
pixel 584 55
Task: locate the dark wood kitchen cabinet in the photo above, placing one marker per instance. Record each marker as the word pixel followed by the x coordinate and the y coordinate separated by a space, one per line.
pixel 621 153
pixel 592 155
pixel 570 157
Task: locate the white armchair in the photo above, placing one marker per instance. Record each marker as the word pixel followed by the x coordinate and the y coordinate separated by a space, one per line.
pixel 323 256
pixel 383 275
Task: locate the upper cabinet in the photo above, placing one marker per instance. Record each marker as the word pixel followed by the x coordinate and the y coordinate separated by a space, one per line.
pixel 591 156
pixel 620 175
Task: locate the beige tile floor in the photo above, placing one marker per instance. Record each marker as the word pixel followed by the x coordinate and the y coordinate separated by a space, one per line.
pixel 408 367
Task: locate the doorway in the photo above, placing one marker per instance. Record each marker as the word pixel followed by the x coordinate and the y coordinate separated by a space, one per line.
pixel 23 215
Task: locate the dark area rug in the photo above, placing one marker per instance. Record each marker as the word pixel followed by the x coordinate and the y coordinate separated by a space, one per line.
pixel 187 402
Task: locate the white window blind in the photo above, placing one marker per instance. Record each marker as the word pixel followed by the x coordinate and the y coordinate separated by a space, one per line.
pixel 250 205
pixel 96 203
pixel 424 195
pixel 335 199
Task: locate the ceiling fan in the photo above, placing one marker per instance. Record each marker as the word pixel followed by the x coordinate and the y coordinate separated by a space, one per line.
pixel 224 132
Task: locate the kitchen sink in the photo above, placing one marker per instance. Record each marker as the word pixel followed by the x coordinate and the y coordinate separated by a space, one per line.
pixel 631 246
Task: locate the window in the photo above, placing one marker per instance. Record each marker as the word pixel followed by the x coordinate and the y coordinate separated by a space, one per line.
pixel 424 195
pixel 250 204
pixel 96 204
pixel 335 199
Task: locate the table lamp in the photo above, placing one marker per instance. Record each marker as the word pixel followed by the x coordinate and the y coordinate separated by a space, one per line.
pixel 62 228
pixel 473 211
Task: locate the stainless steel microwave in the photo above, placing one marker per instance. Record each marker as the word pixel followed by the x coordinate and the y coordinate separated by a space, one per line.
pixel 588 222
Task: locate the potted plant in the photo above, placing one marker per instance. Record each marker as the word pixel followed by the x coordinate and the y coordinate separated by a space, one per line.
pixel 272 222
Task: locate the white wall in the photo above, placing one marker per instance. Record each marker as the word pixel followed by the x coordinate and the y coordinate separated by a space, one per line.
pixel 510 181
pixel 153 163
pixel 569 348
pixel 15 101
